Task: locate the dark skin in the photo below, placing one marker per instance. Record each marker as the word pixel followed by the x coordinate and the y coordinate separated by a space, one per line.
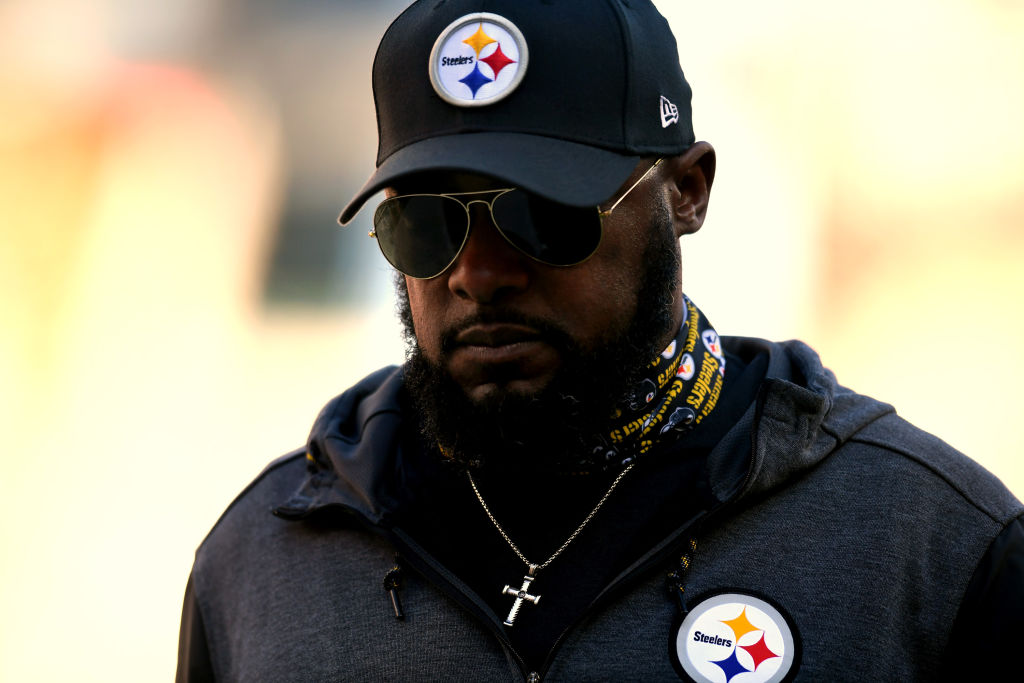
pixel 588 301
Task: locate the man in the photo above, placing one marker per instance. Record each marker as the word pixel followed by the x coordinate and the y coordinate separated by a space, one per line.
pixel 573 477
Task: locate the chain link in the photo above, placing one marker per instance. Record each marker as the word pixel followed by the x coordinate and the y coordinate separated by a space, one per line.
pixel 569 540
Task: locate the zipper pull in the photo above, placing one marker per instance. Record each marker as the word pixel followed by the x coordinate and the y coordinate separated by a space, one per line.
pixel 392 582
pixel 677 590
pixel 677 577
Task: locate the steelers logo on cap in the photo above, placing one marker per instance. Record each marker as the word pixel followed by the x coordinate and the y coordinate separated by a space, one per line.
pixel 478 60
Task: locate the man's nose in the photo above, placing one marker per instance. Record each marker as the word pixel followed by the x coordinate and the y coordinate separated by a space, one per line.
pixel 488 268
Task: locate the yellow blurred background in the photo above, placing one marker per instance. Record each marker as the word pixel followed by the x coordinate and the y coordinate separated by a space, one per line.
pixel 176 302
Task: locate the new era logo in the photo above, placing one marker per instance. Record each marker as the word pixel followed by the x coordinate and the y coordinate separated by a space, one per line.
pixel 669 113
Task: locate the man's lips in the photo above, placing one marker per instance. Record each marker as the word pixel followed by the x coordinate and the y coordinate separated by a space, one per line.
pixel 488 343
pixel 483 356
pixel 496 334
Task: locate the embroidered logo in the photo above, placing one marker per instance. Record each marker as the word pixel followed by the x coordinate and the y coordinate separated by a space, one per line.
pixel 735 636
pixel 477 60
pixel 669 112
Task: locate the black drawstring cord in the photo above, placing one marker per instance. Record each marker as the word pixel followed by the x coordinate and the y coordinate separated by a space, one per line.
pixel 392 583
pixel 677 577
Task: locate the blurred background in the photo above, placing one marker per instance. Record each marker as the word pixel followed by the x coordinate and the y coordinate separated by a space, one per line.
pixel 177 302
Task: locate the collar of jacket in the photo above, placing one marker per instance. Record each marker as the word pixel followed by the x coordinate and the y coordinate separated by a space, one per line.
pixel 801 415
pixel 352 452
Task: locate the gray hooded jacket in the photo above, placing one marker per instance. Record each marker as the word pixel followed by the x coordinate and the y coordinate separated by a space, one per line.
pixel 861 530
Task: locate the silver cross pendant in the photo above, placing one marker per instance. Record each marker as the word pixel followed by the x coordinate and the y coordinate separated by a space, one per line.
pixel 521 595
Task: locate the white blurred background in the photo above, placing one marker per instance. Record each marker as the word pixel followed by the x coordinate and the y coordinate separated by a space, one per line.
pixel 176 301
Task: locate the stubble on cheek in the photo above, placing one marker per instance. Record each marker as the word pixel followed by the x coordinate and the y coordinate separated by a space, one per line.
pixel 418 324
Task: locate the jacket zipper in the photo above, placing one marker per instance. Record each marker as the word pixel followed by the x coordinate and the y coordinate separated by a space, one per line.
pixel 442 580
pixel 430 569
pixel 435 572
pixel 614 588
pixel 659 556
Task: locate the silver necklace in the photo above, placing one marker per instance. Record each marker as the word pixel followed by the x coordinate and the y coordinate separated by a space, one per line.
pixel 522 594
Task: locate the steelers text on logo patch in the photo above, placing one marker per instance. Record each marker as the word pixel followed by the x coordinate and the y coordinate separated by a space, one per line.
pixel 735 636
pixel 477 60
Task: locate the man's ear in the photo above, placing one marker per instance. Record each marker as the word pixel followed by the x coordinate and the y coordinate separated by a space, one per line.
pixel 691 174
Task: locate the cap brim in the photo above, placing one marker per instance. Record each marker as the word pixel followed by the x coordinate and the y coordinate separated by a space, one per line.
pixel 566 172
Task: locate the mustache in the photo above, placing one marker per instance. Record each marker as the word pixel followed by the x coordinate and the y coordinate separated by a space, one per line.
pixel 547 331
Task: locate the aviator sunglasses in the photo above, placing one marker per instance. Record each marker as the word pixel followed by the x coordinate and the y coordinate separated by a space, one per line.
pixel 421 235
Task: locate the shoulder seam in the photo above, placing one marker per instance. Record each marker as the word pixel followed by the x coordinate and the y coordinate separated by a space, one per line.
pixel 928 466
pixel 275 464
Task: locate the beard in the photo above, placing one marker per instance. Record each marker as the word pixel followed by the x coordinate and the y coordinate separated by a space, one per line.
pixel 560 427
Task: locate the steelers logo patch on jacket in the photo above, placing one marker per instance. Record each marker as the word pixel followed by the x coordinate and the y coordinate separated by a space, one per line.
pixel 735 637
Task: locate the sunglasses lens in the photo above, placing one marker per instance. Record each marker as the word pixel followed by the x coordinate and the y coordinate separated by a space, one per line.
pixel 550 232
pixel 420 235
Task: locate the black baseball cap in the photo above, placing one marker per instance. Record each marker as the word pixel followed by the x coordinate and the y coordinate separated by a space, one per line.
pixel 559 97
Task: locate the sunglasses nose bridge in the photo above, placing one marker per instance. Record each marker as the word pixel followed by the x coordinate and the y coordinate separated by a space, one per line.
pixel 486 208
pixel 487 203
pixel 488 265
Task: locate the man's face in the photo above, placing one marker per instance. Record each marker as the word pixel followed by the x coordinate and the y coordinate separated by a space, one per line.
pixel 499 323
pixel 515 362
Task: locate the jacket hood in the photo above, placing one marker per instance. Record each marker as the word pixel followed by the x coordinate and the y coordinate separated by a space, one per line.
pixel 800 416
pixel 352 451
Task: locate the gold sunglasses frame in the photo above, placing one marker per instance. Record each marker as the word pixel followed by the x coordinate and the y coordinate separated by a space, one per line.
pixel 498 192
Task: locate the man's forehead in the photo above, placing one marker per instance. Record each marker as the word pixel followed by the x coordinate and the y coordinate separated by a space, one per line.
pixel 444 181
